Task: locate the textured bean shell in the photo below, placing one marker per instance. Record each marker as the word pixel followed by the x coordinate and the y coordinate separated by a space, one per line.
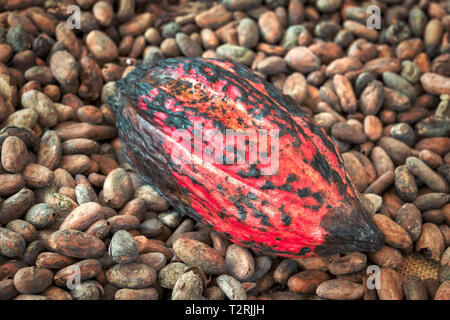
pixel 12 244
pixel 117 188
pixel 77 244
pixel 31 280
pixel 390 285
pixel 7 289
pixel 169 275
pixel 131 276
pixel 198 254
pixel 53 260
pixel 13 154
pixel 338 289
pixel 240 262
pixel 83 216
pixel 89 269
pixel 50 150
pixel 231 287
pixel 137 294
pixel 10 183
pixel 25 229
pixel 307 281
pixel 188 287
pixel 16 205
pixel 123 247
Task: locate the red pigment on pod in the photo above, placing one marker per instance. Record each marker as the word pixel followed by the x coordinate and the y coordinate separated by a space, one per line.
pixel 307 207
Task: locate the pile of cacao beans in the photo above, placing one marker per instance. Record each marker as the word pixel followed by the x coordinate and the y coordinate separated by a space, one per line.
pixel 76 222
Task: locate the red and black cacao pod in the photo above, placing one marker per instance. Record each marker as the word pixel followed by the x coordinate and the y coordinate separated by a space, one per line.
pixel 308 207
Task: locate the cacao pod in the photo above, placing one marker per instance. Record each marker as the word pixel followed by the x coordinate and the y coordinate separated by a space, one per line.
pixel 306 206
